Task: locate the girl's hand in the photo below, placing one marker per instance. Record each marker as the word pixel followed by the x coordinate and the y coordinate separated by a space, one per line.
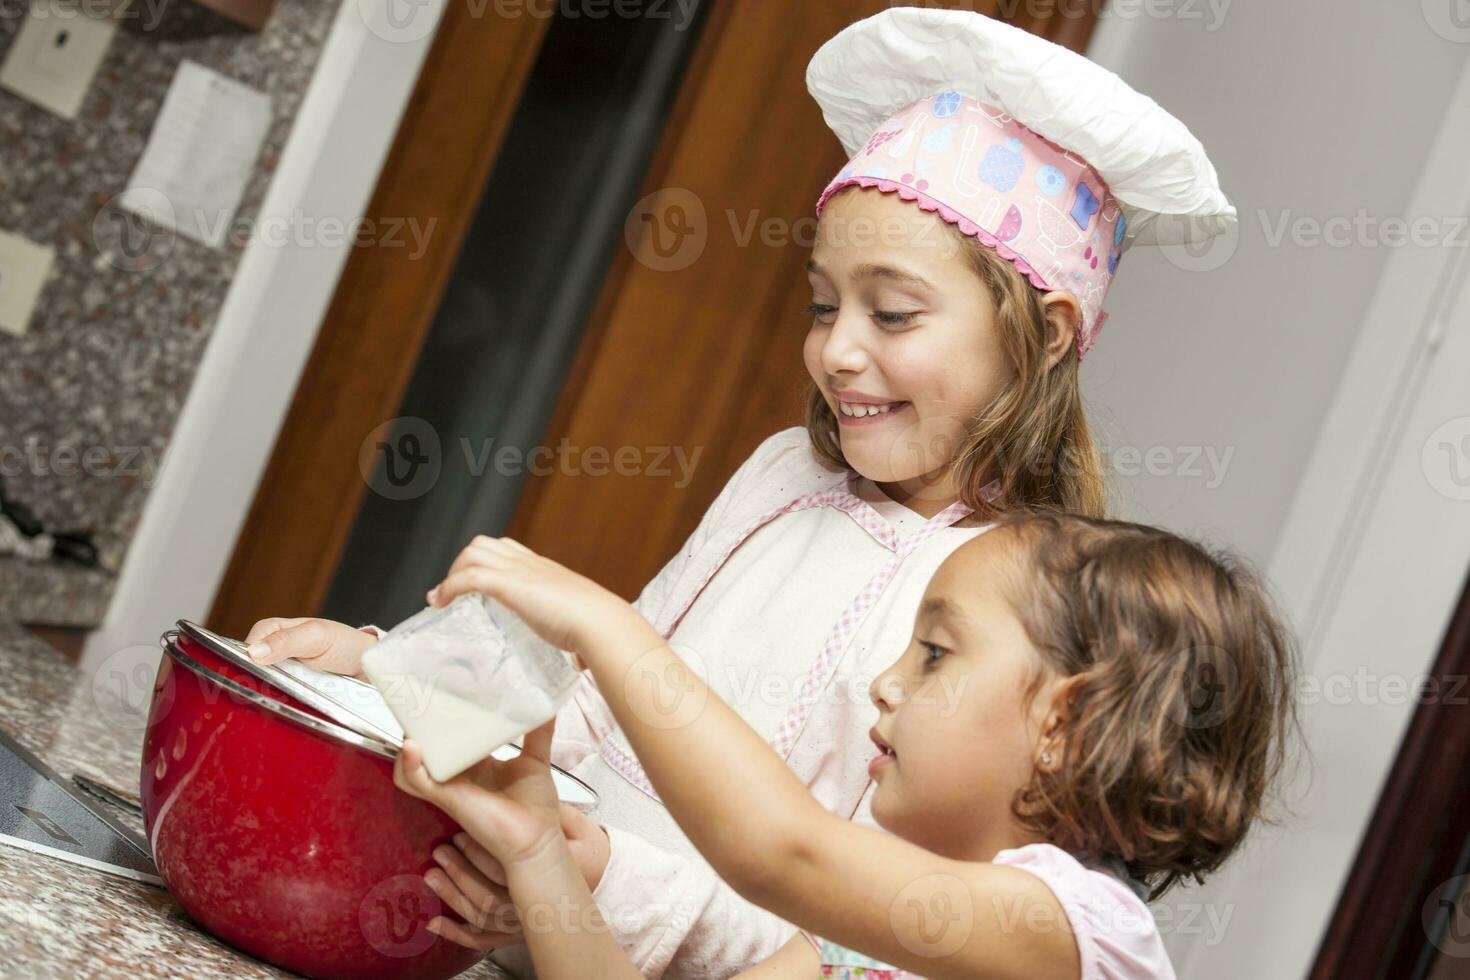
pixel 319 643
pixel 473 883
pixel 564 608
pixel 510 808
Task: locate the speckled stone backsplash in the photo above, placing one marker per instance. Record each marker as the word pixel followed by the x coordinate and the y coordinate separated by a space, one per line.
pixel 114 344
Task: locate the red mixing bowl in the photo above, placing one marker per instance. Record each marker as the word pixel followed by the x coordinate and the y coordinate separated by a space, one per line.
pixel 281 832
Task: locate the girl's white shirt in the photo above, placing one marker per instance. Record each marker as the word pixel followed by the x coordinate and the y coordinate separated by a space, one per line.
pixel 754 626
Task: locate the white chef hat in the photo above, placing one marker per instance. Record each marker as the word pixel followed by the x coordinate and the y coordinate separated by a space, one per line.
pixel 898 88
pixel 1151 162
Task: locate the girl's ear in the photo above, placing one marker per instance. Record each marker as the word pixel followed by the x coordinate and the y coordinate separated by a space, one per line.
pixel 1063 315
pixel 1054 724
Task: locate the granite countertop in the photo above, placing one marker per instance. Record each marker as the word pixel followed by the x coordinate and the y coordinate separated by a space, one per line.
pixel 62 920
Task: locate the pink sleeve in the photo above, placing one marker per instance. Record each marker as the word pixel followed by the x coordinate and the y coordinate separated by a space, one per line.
pixel 1117 937
pixel 674 915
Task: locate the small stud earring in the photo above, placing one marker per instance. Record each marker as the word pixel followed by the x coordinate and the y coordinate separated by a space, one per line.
pixel 1046 757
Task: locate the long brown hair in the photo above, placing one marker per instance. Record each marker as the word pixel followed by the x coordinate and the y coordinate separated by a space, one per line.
pixel 1033 437
pixel 1180 715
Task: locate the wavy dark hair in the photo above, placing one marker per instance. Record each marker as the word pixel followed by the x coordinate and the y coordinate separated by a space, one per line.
pixel 1180 719
pixel 1034 435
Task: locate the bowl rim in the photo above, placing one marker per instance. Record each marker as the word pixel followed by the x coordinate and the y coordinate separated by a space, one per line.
pixel 170 643
pixel 321 726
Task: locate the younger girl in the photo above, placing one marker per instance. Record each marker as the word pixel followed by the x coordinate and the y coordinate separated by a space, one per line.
pixel 1085 708
pixel 957 279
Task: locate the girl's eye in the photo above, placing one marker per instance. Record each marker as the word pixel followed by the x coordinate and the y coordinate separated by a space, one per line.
pixel 887 318
pixel 933 653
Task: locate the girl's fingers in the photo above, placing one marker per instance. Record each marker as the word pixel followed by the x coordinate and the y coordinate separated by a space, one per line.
pixel 409 773
pixel 490 560
pixel 477 578
pixel 476 553
pixel 400 777
pixel 450 895
pixel 411 755
pixel 537 744
pixel 495 914
pixel 476 898
pixel 266 627
pixel 306 640
pixel 462 935
pixel 438 595
pixel 498 553
pixel 485 862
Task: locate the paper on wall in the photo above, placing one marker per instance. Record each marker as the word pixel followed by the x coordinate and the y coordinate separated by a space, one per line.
pixel 200 155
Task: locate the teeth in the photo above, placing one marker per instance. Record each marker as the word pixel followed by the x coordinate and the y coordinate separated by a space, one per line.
pixel 860 411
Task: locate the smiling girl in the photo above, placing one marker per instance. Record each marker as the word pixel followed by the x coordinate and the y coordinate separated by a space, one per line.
pixel 957 279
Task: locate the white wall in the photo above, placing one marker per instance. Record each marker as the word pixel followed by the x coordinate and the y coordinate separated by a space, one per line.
pixel 1328 371
pixel 266 328
pixel 1312 107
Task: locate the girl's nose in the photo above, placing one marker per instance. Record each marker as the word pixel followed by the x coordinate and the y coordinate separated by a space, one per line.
pixel 843 353
pixel 887 689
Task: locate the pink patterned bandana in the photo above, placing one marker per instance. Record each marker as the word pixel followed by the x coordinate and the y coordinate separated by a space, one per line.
pixel 1041 207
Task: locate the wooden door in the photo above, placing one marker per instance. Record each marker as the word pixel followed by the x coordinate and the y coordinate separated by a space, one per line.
pixel 1404 910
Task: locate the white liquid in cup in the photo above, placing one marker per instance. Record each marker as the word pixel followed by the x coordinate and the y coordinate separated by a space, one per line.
pixel 467 679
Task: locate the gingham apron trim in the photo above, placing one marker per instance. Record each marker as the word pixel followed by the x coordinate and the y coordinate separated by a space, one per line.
pixel 847 624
